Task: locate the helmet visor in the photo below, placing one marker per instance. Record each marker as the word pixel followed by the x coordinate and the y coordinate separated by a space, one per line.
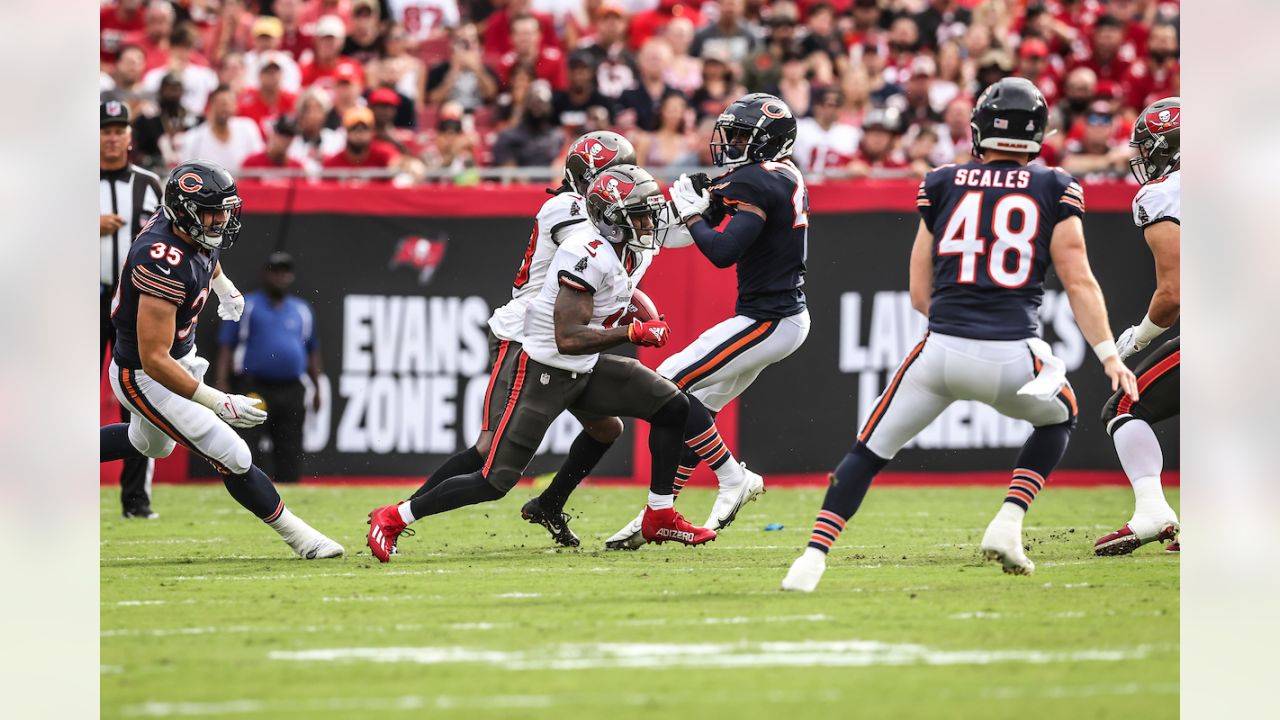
pixel 731 142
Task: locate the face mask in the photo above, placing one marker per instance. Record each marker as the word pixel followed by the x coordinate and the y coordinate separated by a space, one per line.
pixel 1160 57
pixel 170 104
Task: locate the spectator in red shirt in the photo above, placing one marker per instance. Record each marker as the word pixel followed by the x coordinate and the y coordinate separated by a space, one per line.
pixel 324 66
pixel 115 23
pixel 348 88
pixel 1033 64
pixel 904 42
pixel 276 155
pixel 527 49
pixel 313 10
pixel 650 23
pixel 269 100
pixel 878 148
pixel 293 40
pixel 362 150
pixel 1158 75
pixel 1097 154
pixel 153 38
pixel 499 34
pixel 1105 59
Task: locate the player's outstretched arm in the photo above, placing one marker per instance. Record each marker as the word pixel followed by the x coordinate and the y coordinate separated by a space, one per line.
pixel 922 270
pixel 724 248
pixel 1071 260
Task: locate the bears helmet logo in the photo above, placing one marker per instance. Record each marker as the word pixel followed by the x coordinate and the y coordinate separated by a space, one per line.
pixel 190 182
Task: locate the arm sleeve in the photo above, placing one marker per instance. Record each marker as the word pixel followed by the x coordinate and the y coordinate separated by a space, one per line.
pixel 724 248
pixel 150 279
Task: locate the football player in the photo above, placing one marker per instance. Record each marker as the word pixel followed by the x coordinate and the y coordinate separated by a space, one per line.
pixel 767 241
pixel 1157 209
pixel 561 217
pixel 155 372
pixel 988 233
pixel 559 367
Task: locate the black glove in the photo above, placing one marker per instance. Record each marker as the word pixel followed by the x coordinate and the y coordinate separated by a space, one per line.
pixel 716 212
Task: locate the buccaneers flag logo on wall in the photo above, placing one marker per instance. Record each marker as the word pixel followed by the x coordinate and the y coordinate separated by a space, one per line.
pixel 421 254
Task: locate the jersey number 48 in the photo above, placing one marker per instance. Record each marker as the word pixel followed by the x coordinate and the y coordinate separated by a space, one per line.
pixel 961 238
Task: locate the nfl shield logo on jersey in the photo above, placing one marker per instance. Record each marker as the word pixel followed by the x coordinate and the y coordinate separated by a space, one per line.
pixel 545 379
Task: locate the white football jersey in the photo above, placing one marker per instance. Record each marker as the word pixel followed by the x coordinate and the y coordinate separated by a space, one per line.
pixel 1159 200
pixel 817 150
pixel 588 263
pixel 421 17
pixel 560 217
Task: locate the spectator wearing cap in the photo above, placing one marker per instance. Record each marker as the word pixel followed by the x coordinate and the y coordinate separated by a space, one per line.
pixel 463 78
pixel 451 147
pixel 365 42
pixel 793 83
pixel 314 141
pixel 267 35
pixel 362 150
pixel 825 141
pixel 127 196
pixel 821 34
pixel 425 19
pixel 225 138
pixel 616 68
pixel 157 136
pixel 385 104
pixel 499 34
pixel 535 140
pixel 276 155
pixel 763 68
pixel 1097 154
pixel 527 50
pixel 153 37
pixel 572 104
pixel 685 71
pixel 269 100
pixel 348 92
pixel 941 21
pixel 1157 75
pixel 877 150
pixel 197 79
pixel 995 65
pixel 294 41
pixel 656 20
pixel 328 61
pixel 674 143
pixel 915 104
pixel 638 107
pixel 268 350
pixel 728 37
pixel 313 10
pixel 1033 64
pixel 116 22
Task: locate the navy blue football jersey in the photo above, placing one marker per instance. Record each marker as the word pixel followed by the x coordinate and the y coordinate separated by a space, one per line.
pixel 991 226
pixel 770 270
pixel 165 266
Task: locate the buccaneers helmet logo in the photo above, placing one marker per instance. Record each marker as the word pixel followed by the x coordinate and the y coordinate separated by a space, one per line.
pixel 594 153
pixel 612 189
pixel 1164 120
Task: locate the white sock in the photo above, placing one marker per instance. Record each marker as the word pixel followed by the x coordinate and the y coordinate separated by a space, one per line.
pixel 1012 512
pixel 813 552
pixel 661 502
pixel 286 522
pixel 1142 460
pixel 406 513
pixel 730 474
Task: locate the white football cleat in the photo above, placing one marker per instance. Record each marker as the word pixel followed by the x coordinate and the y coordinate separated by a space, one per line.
pixel 730 500
pixel 630 537
pixel 1003 541
pixel 309 543
pixel 318 547
pixel 806 571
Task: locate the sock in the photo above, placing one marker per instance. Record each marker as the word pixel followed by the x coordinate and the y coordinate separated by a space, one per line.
pixel 666 441
pixel 1142 460
pixel 849 485
pixel 452 494
pixel 683 473
pixel 1039 456
pixel 255 493
pixel 584 453
pixel 703 438
pixel 467 461
pixel 406 512
pixel 113 441
pixel 661 502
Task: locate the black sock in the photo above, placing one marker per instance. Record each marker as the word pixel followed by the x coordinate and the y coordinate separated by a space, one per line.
pixel 1039 456
pixel 584 454
pixel 113 441
pixel 849 485
pixel 255 492
pixel 666 443
pixel 454 493
pixel 467 461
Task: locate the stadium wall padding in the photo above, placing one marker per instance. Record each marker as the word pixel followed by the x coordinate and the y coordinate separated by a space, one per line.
pixel 402 281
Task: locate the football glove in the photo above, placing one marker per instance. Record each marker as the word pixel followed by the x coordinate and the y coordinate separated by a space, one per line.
pixel 653 333
pixel 689 201
pixel 230 301
pixel 235 410
pixel 1138 337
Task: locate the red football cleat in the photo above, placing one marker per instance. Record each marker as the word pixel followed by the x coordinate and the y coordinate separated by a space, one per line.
pixel 1173 547
pixel 385 527
pixel 663 525
pixel 1125 540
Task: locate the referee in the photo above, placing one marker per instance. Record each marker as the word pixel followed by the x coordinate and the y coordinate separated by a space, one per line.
pixel 127 197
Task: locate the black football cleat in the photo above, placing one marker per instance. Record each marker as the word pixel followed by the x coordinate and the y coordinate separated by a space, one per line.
pixel 142 512
pixel 556 523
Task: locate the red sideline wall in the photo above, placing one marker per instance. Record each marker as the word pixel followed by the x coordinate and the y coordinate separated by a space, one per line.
pixel 692 293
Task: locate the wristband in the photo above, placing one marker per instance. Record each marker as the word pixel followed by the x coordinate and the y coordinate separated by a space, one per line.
pixel 223 285
pixel 207 396
pixel 1147 330
pixel 1106 350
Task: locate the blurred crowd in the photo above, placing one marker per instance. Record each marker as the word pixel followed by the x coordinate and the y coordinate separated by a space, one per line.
pixel 414 89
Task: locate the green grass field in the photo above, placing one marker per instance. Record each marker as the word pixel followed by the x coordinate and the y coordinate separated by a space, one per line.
pixel 206 613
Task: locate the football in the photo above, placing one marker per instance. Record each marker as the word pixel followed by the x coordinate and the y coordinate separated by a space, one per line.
pixel 641 308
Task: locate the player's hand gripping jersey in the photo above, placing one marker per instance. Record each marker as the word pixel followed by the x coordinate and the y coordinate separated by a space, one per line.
pixel 1159 201
pixel 586 263
pixel 559 218
pixel 992 224
pixel 771 270
pixel 163 266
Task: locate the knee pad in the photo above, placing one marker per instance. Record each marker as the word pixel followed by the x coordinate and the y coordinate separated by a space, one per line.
pixel 238 459
pixel 149 446
pixel 675 412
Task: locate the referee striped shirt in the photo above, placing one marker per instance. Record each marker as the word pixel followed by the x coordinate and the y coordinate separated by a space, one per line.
pixel 134 194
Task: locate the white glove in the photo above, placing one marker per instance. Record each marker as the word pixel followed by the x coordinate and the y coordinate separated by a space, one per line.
pixel 235 410
pixel 195 365
pixel 689 202
pixel 230 301
pixel 1138 337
